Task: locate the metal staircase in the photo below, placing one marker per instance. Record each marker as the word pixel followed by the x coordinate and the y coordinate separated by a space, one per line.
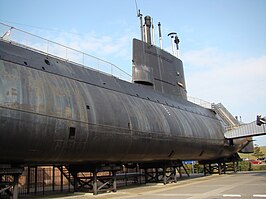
pixel 67 174
pixel 228 120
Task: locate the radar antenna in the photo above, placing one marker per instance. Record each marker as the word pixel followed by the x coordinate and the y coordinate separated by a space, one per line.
pixel 175 42
pixel 140 20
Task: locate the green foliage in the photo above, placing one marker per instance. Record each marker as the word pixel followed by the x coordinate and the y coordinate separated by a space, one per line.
pixel 257 152
pixel 258 167
pixel 247 166
pixel 198 168
pixel 244 166
pixel 263 167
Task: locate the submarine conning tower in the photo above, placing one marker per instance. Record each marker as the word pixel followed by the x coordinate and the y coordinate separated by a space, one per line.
pixel 154 67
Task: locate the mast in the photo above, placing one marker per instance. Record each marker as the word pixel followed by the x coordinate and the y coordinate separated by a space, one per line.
pixel 175 41
pixel 160 35
pixel 140 24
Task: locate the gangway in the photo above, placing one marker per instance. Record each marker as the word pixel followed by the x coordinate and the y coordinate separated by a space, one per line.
pixel 228 120
pixel 246 130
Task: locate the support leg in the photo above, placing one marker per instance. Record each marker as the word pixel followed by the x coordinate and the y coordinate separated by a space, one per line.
pixel 174 172
pixel 234 166
pixel 28 180
pixel 146 175
pixel 75 176
pixel 61 179
pixel 95 188
pixel 156 175
pixel 210 168
pixel 219 169
pixel 114 181
pixel 164 176
pixel 15 188
pixel 35 179
pixel 224 166
pixel 43 181
pixel 53 179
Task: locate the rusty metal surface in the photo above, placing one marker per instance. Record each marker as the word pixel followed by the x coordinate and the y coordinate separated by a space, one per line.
pixel 41 102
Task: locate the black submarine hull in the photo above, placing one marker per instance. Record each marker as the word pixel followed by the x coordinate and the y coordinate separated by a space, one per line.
pixel 53 111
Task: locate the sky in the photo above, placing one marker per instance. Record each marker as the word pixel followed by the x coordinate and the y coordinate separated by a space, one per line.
pixel 222 42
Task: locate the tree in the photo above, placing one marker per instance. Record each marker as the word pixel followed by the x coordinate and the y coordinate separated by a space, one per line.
pixel 257 152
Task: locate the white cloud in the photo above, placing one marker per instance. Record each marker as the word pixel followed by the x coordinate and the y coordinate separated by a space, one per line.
pixel 108 48
pixel 112 49
pixel 93 44
pixel 238 82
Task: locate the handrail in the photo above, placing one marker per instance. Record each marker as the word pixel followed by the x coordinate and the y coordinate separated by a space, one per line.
pixel 200 102
pixel 67 53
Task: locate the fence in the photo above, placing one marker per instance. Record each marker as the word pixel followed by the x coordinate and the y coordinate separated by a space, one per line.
pixel 40 181
pixel 45 46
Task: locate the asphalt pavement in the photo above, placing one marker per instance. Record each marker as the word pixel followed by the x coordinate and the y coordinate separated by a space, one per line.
pixel 237 185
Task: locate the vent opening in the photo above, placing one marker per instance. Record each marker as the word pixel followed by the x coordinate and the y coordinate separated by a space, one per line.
pixel 47 61
pixel 143 82
pixel 72 133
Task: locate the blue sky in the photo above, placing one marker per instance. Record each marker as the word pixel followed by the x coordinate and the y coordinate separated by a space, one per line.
pixel 223 42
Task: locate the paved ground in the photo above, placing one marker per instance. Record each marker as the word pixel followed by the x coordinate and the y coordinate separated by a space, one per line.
pixel 244 185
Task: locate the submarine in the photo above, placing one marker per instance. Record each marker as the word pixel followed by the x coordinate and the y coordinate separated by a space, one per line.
pixel 53 111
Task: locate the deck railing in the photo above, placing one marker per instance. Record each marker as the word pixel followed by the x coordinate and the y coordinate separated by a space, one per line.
pixel 200 102
pixel 51 48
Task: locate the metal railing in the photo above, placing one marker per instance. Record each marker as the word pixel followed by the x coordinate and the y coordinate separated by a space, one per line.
pixel 200 102
pixel 51 48
pixel 230 121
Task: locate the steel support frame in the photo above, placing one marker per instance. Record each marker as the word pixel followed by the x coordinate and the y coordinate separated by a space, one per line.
pixel 220 166
pixel 96 182
pixel 165 172
pixel 104 183
pixel 10 185
pixel 158 174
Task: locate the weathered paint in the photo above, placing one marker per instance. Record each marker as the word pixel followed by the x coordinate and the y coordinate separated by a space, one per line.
pixel 114 121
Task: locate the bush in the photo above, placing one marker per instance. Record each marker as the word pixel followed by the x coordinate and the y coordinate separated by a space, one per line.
pixel 244 166
pixel 247 166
